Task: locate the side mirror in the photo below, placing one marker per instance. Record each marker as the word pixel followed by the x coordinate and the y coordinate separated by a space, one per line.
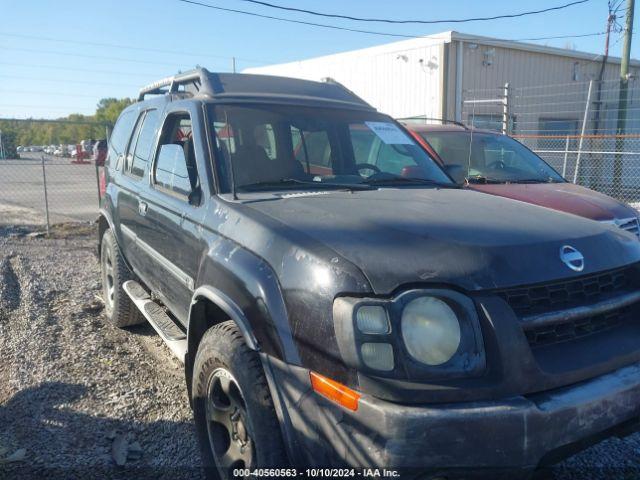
pixel 456 172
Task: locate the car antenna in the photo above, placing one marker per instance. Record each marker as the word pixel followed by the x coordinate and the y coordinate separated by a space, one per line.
pixel 233 176
pixel 473 117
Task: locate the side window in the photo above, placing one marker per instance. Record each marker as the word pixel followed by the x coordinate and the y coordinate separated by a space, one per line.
pixel 144 144
pixel 175 169
pixel 312 150
pixel 120 136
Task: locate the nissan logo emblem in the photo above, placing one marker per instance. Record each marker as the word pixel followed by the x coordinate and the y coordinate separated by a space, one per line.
pixel 572 258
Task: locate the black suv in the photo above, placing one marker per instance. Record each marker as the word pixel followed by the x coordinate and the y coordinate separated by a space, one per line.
pixel 337 300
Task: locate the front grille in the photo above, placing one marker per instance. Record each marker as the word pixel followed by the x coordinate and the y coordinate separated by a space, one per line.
pixel 531 301
pixel 631 225
pixel 555 296
pixel 566 331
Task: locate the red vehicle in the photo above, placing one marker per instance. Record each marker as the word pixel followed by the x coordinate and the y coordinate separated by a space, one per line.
pixel 494 163
pixel 100 152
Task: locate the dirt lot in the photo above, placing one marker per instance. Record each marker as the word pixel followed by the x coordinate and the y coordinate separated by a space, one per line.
pixel 75 393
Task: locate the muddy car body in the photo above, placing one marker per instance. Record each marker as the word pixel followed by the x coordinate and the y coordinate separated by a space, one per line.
pixel 320 283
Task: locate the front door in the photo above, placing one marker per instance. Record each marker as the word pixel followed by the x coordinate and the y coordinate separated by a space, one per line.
pixel 176 207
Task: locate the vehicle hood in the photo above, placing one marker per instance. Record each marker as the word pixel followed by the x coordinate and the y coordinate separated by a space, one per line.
pixel 455 237
pixel 565 197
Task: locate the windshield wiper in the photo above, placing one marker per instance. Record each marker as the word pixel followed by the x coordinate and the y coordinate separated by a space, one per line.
pixel 408 181
pixel 295 183
pixel 481 179
pixel 533 180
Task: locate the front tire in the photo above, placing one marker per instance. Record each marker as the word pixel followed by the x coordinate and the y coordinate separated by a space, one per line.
pixel 235 419
pixel 119 309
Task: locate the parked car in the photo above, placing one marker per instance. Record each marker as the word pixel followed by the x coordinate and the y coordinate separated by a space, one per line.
pixel 502 166
pixel 99 152
pixel 327 316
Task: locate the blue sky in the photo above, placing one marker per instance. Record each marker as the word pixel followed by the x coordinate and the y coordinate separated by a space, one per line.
pixel 51 65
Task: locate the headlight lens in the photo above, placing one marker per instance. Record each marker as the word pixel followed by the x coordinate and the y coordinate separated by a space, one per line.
pixel 378 356
pixel 372 319
pixel 430 330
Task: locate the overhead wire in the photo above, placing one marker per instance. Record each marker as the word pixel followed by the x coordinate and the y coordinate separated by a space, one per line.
pixel 413 21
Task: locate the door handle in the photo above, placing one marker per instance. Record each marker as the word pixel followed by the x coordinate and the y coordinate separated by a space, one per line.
pixel 142 208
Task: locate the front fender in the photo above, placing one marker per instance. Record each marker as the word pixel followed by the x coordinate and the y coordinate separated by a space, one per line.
pixel 246 288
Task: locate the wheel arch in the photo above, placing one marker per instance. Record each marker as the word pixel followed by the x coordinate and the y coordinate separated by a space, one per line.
pixel 104 224
pixel 209 307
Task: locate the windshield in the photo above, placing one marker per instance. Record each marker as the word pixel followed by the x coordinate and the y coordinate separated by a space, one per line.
pixel 268 147
pixel 494 158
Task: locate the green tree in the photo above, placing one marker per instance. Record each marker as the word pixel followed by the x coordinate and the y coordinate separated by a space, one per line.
pixel 8 138
pixel 109 109
pixel 67 130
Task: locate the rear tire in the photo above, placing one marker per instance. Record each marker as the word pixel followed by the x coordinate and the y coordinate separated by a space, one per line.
pixel 235 419
pixel 118 307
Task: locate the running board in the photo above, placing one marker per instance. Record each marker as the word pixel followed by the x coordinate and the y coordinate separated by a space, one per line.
pixel 170 333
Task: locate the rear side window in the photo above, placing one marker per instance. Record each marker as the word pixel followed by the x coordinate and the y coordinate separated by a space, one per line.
pixel 120 136
pixel 144 144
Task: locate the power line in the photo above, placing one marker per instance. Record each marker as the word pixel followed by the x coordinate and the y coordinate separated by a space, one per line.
pixel 87 70
pixel 335 27
pixel 48 107
pixel 92 57
pixel 52 94
pixel 301 22
pixel 81 82
pixel 422 22
pixel 127 47
pixel 559 36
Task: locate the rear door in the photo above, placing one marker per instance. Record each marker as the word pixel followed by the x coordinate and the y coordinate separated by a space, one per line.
pixel 134 180
pixel 176 205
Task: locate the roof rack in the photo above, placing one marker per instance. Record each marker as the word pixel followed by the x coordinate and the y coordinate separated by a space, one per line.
pixel 198 77
pixel 443 120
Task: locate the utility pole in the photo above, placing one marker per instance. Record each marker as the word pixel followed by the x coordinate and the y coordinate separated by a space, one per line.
pixel 233 64
pixel 611 18
pixel 622 98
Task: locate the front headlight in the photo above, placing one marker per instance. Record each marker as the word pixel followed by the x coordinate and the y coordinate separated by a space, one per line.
pixel 420 334
pixel 430 330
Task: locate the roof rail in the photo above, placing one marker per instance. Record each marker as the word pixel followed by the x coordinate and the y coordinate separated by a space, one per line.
pixel 199 77
pixel 443 120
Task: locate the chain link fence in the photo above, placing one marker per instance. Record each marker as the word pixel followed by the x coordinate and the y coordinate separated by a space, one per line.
pixel 582 129
pixel 48 172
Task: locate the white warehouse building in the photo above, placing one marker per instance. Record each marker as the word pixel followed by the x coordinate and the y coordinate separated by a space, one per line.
pixel 432 76
pixel 560 102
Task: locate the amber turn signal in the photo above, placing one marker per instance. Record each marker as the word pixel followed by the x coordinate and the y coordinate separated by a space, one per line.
pixel 334 391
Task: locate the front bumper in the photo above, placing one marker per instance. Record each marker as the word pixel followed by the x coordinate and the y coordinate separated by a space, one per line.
pixel 512 433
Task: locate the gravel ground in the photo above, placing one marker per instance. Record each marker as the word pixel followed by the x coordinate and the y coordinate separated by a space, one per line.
pixel 77 394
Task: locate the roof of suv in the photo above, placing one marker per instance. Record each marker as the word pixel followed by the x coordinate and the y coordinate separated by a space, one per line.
pixel 200 83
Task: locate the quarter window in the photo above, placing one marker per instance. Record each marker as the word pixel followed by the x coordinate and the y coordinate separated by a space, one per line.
pixel 120 136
